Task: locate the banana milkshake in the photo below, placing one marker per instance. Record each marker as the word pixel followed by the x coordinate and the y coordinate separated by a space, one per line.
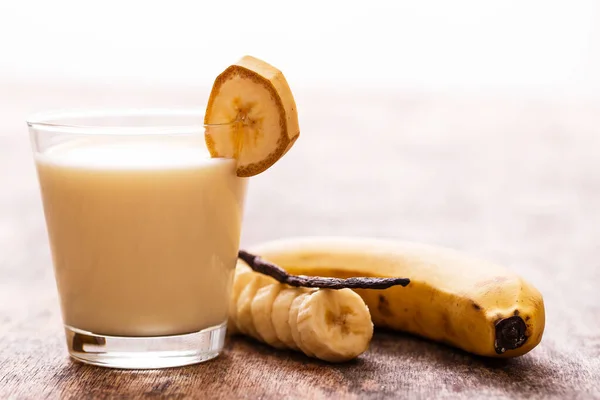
pixel 144 235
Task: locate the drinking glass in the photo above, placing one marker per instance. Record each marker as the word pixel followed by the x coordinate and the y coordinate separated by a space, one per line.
pixel 144 228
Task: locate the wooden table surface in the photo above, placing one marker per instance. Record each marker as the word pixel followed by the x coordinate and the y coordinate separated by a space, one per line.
pixel 514 179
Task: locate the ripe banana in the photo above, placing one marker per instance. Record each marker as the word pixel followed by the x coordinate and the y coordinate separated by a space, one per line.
pixel 333 325
pixel 453 298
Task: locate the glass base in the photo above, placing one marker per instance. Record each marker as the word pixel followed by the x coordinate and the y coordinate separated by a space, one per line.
pixel 145 352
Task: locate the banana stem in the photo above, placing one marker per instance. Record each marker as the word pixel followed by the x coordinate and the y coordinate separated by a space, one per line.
pixel 281 276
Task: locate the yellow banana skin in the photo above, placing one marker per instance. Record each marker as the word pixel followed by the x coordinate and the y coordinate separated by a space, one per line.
pixel 453 298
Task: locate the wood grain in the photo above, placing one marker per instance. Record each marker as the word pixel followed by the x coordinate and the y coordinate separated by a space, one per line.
pixel 513 179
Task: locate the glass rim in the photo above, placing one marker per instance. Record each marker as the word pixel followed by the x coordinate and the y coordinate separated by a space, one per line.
pixel 55 120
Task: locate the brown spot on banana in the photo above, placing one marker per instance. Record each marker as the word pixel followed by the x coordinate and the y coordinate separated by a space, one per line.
pixel 447 325
pixel 383 306
pixel 510 334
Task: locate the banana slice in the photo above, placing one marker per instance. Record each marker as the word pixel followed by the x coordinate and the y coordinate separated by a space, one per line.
pixel 243 275
pixel 244 321
pixel 334 327
pixel 280 315
pixel 261 314
pixel 293 322
pixel 255 102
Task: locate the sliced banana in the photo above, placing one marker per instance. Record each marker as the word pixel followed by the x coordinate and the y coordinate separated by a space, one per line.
pixel 293 322
pixel 251 116
pixel 335 326
pixel 280 315
pixel 244 321
pixel 243 275
pixel 261 308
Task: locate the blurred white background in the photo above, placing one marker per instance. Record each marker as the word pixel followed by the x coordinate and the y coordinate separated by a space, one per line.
pixel 418 45
pixel 467 123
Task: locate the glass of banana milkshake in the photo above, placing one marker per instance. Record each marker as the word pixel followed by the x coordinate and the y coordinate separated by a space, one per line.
pixel 144 228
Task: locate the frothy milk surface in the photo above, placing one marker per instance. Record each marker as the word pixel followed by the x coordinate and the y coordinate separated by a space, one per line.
pixel 144 234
